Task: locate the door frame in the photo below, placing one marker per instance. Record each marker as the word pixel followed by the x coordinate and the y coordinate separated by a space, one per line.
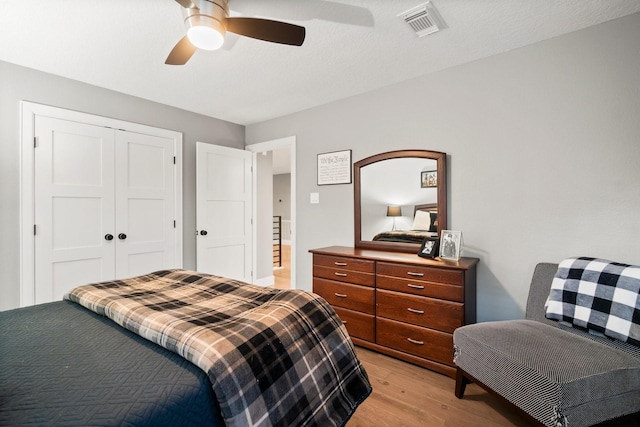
pixel 28 113
pixel 289 141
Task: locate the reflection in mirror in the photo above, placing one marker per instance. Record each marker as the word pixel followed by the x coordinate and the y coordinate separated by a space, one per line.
pixel 396 183
pixel 400 198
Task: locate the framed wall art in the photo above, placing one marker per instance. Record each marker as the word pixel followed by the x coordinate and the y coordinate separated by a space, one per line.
pixel 428 179
pixel 334 168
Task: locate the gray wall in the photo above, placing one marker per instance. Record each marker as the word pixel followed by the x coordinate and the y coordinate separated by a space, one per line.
pixel 282 195
pixel 543 147
pixel 18 83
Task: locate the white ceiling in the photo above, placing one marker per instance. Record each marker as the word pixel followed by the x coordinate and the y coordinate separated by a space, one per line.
pixel 352 46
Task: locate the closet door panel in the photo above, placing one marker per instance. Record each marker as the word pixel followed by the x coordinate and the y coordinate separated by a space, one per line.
pixel 145 205
pixel 73 203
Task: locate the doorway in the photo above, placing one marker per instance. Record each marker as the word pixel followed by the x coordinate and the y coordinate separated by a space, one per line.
pixel 282 169
pixel 282 218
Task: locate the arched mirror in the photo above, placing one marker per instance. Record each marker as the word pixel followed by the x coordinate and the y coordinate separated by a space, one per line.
pixel 400 197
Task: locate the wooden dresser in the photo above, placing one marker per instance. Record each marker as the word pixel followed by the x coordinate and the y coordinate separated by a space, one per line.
pixel 398 303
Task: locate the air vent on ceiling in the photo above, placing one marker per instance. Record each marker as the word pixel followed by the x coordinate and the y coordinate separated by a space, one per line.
pixel 423 19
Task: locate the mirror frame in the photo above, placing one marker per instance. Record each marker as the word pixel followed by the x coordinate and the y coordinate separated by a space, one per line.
pixel 441 165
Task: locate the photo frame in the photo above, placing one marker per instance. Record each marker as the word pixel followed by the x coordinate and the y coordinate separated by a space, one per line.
pixel 428 179
pixel 450 245
pixel 429 247
pixel 334 168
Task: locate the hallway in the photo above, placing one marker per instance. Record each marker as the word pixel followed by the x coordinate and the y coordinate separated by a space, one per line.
pixel 283 275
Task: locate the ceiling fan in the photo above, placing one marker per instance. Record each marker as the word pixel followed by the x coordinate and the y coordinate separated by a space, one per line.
pixel 207 22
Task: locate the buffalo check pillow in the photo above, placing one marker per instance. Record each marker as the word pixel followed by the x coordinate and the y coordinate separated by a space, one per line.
pixel 598 295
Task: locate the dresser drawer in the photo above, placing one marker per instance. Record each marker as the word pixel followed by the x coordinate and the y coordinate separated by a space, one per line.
pixel 349 276
pixel 359 325
pixel 421 342
pixel 422 288
pixel 421 311
pixel 358 298
pixel 415 272
pixel 353 264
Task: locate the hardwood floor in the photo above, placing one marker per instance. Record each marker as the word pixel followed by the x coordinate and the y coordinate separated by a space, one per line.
pixel 282 275
pixel 408 395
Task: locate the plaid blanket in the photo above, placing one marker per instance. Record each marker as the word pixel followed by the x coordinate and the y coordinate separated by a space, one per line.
pixel 597 295
pixel 274 357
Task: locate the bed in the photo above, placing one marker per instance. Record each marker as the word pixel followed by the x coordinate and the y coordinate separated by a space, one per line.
pixel 177 347
pixel 425 224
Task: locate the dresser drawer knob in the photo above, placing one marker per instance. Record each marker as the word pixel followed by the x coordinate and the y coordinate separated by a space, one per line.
pixel 411 273
pixel 340 274
pixel 344 322
pixel 413 310
pixel 411 285
pixel 416 342
pixel 340 295
pixel 340 264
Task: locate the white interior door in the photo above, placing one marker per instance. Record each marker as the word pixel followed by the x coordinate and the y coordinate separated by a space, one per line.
pixel 224 200
pixel 145 201
pixel 74 200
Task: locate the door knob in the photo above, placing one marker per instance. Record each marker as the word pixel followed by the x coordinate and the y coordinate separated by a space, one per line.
pixel 108 237
pixel 203 232
pixel 122 236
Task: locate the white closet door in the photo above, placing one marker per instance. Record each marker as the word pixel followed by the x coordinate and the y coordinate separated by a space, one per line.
pixel 74 202
pixel 224 199
pixel 145 204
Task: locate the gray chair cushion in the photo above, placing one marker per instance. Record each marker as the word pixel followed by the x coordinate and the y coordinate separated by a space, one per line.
pixel 557 377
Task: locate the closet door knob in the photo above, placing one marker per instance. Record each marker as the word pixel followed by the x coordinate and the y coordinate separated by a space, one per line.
pixel 108 237
pixel 203 233
pixel 122 236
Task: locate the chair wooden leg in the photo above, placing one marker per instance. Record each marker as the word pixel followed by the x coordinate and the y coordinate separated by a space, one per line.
pixel 463 378
pixel 461 383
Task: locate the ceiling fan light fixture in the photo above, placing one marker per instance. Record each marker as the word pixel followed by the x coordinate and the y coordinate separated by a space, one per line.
pixel 205 32
pixel 207 22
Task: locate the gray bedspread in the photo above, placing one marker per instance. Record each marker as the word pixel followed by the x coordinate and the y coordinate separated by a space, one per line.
pixel 62 365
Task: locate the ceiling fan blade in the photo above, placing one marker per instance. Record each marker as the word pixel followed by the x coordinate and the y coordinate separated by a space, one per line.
pixel 267 30
pixel 181 52
pixel 187 4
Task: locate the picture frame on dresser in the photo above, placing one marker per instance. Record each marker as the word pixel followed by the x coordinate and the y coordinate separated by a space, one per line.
pixel 451 245
pixel 429 247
